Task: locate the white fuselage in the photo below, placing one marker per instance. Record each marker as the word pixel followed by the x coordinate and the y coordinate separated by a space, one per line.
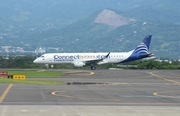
pixel 59 58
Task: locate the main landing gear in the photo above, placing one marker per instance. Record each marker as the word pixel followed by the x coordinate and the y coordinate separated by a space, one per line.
pixel 93 67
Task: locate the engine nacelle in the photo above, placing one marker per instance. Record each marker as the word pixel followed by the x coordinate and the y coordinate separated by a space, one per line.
pixel 79 64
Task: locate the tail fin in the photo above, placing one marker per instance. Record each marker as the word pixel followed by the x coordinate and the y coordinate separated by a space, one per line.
pixel 141 51
pixel 143 47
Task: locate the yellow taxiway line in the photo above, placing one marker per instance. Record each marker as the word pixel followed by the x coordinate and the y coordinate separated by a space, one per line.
pixel 5 93
pixel 168 80
pixel 172 81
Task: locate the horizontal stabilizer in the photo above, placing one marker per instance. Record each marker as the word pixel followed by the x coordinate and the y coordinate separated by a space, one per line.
pixel 146 55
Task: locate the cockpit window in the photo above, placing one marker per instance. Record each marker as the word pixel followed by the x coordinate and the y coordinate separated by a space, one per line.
pixel 42 56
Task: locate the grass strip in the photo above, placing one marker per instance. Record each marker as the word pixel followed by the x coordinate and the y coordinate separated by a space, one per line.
pixel 34 73
pixel 41 82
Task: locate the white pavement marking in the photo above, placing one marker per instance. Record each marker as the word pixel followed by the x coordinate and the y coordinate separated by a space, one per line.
pixel 35 110
pixel 3 111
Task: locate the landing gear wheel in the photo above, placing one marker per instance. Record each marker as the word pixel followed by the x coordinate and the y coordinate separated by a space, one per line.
pixel 47 66
pixel 93 67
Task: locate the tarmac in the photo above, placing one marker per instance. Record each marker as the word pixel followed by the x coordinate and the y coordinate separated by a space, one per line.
pixel 97 93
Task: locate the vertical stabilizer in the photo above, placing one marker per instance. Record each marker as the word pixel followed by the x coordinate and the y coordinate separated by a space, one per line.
pixel 143 47
pixel 141 51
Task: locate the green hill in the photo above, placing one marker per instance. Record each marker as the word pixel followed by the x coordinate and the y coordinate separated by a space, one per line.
pixel 74 26
pixel 87 36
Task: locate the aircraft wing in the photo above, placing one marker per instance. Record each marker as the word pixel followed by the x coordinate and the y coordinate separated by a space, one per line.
pixel 95 61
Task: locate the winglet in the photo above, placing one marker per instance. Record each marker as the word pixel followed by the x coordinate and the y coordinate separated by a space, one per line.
pixel 107 55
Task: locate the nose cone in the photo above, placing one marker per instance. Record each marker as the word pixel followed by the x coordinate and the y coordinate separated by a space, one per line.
pixel 35 61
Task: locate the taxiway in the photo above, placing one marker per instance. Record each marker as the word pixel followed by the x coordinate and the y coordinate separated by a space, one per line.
pixel 100 93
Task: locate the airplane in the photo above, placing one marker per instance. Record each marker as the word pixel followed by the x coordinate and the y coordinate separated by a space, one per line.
pixel 92 59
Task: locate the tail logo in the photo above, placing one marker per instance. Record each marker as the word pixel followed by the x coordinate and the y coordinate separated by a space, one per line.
pixel 141 49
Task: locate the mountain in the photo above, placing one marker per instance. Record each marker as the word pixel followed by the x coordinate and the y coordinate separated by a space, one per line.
pixel 107 30
pixel 87 26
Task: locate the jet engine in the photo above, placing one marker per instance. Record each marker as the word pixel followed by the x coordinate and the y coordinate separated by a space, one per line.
pixel 79 64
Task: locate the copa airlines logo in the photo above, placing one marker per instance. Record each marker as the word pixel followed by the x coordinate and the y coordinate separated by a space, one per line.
pixel 141 48
pixel 75 57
